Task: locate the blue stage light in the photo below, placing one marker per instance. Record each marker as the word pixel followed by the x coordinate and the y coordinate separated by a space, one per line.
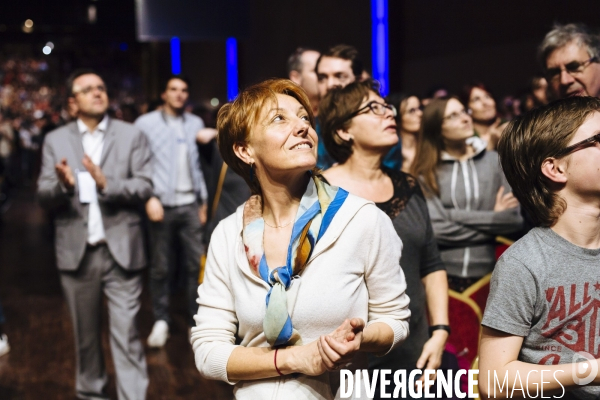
pixel 232 68
pixel 175 55
pixel 380 44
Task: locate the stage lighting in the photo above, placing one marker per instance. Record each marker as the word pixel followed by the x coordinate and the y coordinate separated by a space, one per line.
pixel 46 50
pixel 27 26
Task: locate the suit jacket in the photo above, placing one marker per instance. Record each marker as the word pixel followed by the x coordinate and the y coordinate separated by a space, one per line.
pixel 125 162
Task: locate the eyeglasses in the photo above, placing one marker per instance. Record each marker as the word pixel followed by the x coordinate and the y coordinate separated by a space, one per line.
pixel 414 110
pixel 457 114
pixel 591 141
pixel 573 68
pixel 377 108
pixel 89 89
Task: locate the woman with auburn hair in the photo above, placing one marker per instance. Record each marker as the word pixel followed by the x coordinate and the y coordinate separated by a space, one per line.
pixel 304 278
pixel 481 105
pixel 358 129
pixel 469 200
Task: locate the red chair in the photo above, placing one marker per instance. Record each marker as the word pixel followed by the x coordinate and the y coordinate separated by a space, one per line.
pixel 465 321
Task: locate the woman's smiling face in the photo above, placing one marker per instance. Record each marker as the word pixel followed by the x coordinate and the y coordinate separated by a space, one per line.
pixel 282 138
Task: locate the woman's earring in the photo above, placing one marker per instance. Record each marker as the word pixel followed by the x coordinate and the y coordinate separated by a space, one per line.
pixel 251 172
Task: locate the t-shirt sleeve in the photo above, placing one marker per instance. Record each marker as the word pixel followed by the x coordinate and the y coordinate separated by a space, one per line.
pixel 511 304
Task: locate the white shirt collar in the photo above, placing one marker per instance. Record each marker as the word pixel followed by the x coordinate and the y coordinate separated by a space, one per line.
pixel 101 126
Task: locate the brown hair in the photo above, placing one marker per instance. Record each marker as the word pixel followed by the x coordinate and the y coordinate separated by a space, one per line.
pixel 335 111
pixel 237 119
pixel 530 139
pixel 430 145
pixel 345 52
pixel 76 74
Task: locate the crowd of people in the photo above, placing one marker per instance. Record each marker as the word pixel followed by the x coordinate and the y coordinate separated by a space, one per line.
pixel 349 215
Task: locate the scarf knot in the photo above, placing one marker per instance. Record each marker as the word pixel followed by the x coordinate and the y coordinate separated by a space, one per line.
pixel 317 208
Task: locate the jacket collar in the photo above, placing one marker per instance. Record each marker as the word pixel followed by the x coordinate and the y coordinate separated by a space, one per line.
pixel 109 139
pixel 102 126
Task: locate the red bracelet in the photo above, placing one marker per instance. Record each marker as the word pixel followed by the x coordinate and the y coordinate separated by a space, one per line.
pixel 275 362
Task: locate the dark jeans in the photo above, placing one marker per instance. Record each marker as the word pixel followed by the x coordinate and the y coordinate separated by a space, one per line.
pixel 180 223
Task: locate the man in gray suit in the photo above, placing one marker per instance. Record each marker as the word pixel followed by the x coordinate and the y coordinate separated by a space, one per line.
pixel 95 176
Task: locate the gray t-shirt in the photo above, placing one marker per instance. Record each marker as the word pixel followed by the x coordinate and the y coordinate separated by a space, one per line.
pixel 547 290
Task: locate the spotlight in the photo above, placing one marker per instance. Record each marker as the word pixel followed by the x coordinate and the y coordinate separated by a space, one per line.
pixel 27 26
pixel 214 102
pixel 51 45
pixel 46 50
pixel 92 14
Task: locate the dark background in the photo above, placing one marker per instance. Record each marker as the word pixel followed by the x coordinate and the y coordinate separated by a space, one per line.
pixel 431 42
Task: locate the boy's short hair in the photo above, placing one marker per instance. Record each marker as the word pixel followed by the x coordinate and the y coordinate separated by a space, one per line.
pixel 345 52
pixel 530 139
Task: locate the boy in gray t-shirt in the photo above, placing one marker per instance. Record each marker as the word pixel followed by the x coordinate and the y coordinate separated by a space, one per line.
pixel 541 327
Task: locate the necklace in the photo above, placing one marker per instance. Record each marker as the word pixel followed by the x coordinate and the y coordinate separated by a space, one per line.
pixel 276 226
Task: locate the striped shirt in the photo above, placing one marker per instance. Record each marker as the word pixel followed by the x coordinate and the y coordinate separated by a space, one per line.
pixel 165 155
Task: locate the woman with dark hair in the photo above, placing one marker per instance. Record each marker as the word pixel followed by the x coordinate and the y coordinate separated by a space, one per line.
pixel 482 107
pixel 325 262
pixel 409 125
pixel 469 200
pixel 358 130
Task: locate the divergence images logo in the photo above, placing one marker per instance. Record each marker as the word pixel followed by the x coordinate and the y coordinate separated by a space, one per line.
pixel 586 369
pixel 573 321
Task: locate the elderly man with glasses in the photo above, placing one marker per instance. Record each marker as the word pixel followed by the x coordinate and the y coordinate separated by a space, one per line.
pixel 570 56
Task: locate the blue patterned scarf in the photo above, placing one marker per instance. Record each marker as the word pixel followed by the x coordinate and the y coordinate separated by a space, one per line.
pixel 312 220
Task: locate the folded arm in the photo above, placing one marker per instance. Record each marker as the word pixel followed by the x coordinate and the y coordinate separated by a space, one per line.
pixel 449 232
pixel 489 222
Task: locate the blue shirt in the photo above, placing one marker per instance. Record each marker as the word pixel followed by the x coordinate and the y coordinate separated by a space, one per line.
pixel 163 143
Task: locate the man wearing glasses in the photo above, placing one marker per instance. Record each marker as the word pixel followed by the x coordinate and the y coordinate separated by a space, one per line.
pixel 570 56
pixel 95 176
pixel 542 318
